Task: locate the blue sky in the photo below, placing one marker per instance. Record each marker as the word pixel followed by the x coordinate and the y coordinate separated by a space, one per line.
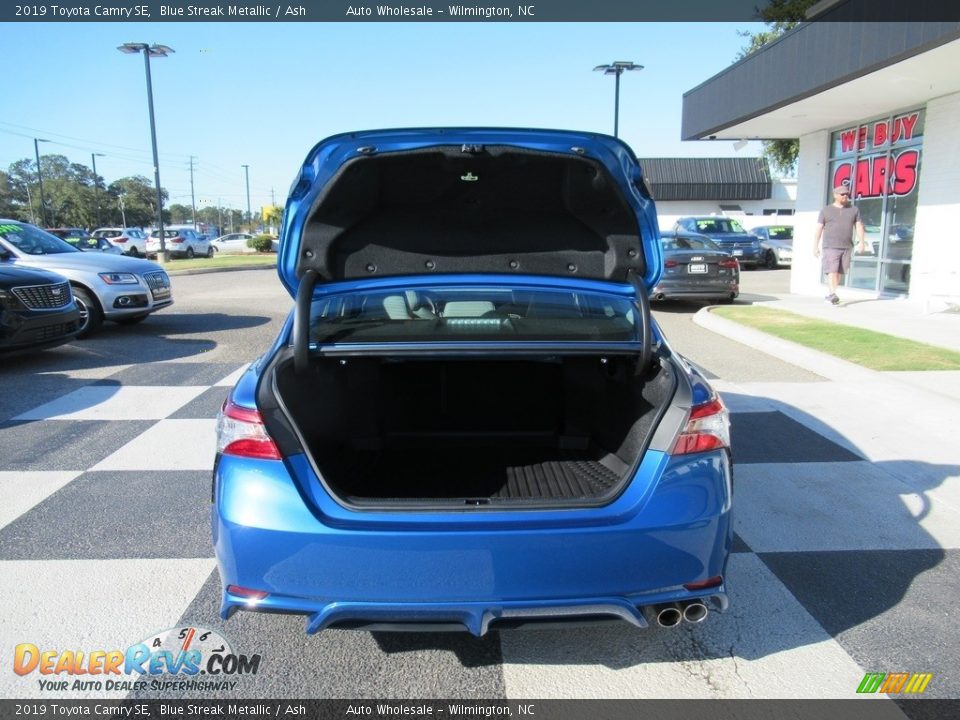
pixel 263 94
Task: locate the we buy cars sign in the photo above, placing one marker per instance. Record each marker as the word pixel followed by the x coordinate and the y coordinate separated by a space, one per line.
pixel 878 173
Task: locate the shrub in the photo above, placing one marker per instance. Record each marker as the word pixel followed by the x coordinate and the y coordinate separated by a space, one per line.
pixel 260 243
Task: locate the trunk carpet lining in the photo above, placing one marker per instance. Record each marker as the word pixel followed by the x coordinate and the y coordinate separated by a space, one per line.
pixel 502 473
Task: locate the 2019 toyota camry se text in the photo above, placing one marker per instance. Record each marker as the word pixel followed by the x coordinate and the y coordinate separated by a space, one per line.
pixel 469 419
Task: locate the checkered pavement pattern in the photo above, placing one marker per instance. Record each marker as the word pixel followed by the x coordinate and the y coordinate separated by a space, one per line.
pixel 845 560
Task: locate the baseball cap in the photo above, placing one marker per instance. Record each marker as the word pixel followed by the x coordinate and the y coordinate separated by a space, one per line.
pixel 841 189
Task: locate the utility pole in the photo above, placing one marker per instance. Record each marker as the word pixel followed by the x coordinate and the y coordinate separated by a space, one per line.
pixel 96 182
pixel 246 170
pixel 193 199
pixel 33 215
pixel 219 217
pixel 123 213
pixel 43 199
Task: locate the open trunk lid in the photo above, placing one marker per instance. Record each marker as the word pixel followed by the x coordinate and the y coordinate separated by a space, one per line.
pixel 438 201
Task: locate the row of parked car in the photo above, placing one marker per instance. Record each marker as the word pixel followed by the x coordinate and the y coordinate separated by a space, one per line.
pixel 178 241
pixel 703 256
pixel 52 290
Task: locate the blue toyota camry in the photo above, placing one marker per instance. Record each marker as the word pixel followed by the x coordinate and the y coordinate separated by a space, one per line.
pixel 469 419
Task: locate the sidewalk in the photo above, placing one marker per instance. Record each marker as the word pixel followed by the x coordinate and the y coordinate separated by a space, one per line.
pixel 901 418
pixel 901 318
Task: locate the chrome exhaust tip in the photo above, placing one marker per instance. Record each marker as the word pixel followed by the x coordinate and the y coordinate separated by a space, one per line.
pixel 695 612
pixel 668 615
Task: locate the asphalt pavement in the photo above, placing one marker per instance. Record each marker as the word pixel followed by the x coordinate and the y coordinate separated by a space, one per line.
pixel 846 512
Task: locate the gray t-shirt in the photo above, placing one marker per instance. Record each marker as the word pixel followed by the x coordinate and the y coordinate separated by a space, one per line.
pixel 838 224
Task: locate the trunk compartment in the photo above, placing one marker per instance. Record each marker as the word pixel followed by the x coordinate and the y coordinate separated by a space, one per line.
pixel 474 431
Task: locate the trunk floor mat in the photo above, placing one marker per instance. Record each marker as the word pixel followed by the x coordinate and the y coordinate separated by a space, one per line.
pixel 510 473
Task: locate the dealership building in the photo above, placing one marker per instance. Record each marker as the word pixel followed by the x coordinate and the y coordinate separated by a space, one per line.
pixel 876 106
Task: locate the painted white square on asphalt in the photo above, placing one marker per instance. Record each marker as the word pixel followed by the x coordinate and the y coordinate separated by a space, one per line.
pixel 115 402
pixel 168 445
pixel 765 646
pixel 23 490
pixel 838 506
pixel 54 605
pixel 231 379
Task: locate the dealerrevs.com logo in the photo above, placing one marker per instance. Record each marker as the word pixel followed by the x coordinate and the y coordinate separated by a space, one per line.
pixel 181 658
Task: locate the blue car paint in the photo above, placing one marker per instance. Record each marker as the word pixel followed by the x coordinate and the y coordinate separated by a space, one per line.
pixel 277 529
pixel 313 555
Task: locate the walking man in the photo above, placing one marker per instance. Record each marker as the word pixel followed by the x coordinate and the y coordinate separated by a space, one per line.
pixel 835 227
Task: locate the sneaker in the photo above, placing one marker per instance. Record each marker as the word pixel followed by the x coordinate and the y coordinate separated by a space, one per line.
pixel 830 298
pixel 834 300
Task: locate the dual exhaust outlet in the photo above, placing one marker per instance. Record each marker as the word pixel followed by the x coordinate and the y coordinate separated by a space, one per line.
pixel 672 614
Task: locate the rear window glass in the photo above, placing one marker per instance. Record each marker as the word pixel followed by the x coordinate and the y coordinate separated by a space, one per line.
pixel 451 314
pixel 688 243
pixel 718 225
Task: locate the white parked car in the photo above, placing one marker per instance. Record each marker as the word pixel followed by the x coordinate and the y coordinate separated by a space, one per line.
pixel 233 243
pixel 776 244
pixel 122 289
pixel 180 242
pixel 130 240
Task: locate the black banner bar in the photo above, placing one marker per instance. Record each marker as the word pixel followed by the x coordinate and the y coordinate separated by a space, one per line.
pixel 433 11
pixel 873 708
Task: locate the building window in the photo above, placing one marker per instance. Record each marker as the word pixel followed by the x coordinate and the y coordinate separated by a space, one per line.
pixel 880 161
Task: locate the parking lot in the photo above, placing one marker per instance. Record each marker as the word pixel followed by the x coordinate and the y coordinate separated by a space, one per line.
pixel 844 562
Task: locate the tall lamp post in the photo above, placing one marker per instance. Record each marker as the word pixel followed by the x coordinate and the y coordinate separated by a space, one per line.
pixel 96 182
pixel 148 52
pixel 43 199
pixel 617 69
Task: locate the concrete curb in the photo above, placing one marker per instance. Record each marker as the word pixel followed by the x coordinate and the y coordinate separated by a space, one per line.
pixel 204 271
pixel 830 367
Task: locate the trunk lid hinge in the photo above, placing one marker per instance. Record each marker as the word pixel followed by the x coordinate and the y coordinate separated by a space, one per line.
pixel 646 322
pixel 301 322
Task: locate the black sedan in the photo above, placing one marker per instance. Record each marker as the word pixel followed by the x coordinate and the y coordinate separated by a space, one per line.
pixel 37 309
pixel 696 268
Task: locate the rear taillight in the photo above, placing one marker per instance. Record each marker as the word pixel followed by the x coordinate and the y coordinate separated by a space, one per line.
pixel 241 432
pixel 670 263
pixel 177 240
pixel 120 240
pixel 249 594
pixel 729 263
pixel 708 428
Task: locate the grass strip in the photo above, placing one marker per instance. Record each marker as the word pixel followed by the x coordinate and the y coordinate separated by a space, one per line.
pixel 877 351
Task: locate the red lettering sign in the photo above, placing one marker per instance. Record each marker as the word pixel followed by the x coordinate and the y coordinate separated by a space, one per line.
pixel 900 128
pixel 877 175
pixel 847 140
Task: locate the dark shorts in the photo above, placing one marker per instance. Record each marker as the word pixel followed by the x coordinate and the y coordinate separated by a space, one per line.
pixel 836 260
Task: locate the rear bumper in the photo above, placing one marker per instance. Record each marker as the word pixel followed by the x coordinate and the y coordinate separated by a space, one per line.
pixel 704 290
pixel 472 570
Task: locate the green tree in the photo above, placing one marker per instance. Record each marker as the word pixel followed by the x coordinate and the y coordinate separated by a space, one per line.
pixel 67 187
pixel 180 214
pixel 8 206
pixel 139 199
pixel 779 16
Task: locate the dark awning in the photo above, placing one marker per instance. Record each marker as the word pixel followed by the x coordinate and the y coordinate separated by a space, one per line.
pixel 708 178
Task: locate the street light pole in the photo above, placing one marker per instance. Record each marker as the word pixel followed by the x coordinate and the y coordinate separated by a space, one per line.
pixel 617 69
pixel 155 51
pixel 246 170
pixel 96 182
pixel 43 199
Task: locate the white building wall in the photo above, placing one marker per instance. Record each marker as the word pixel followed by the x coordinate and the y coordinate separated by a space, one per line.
pixel 812 167
pixel 936 246
pixel 783 197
